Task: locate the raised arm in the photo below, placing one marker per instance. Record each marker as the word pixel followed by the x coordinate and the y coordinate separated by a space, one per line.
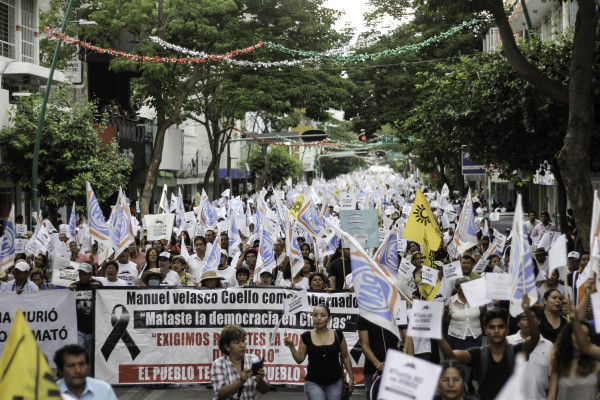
pixel 583 340
pixel 299 354
pixel 582 308
pixel 534 329
pixel 459 355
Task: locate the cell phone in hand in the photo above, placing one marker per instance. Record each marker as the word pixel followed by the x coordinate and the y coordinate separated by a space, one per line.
pixel 257 366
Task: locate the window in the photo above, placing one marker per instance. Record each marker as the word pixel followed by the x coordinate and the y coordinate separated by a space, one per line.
pixel 28 23
pixel 7 28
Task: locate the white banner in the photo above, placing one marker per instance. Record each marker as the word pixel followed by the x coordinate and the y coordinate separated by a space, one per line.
pixel 64 272
pixel 50 315
pixel 159 226
pixel 171 336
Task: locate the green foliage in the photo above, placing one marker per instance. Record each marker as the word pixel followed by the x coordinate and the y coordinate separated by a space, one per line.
pixel 282 164
pixel 71 152
pixel 332 167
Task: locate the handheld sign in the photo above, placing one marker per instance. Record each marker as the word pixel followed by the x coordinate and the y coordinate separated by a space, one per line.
pixel 475 292
pixel 21 229
pixel 406 377
pixel 294 304
pixel 453 271
pixel 494 216
pixel 348 202
pixel 425 319
pixel 405 269
pixel 557 255
pixel 596 308
pixel 429 275
pixel 498 286
pixel 20 246
pixel 401 315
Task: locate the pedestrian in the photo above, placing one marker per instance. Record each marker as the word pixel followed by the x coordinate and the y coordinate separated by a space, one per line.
pixel 451 385
pixel 324 347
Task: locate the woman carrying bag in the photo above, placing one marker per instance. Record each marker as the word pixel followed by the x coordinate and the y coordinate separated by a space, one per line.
pixel 324 346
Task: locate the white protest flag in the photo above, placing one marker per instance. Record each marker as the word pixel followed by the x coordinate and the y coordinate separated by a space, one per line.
pixel 513 389
pixel 163 204
pixel 466 232
pixel 445 191
pixel 72 231
pixel 293 250
pixel 173 205
pixel 184 251
pixel 387 254
pixel 207 214
pixel 99 232
pixel 121 232
pixel 234 234
pixel 594 234
pixel 214 256
pixel 266 256
pixel 308 216
pixel 179 210
pixel 520 266
pixel 7 248
pixel 261 211
pixel 557 255
pixel 282 213
pixel 378 298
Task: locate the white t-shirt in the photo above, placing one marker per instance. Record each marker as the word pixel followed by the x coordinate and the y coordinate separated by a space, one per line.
pixel 129 273
pixel 538 367
pixel 303 284
pixel 228 275
pixel 197 265
pixel 172 279
pixel 106 282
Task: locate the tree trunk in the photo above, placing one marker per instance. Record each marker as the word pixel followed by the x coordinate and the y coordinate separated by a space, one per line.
pixel 153 167
pixel 459 182
pixel 574 158
pixel 562 197
pixel 260 182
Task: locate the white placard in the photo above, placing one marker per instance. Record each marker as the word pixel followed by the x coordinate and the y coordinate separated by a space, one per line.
pixel 223 226
pixel 494 216
pixel 445 222
pixel 557 255
pixel 405 269
pixel 425 319
pixel 480 266
pixel 402 243
pixel 63 228
pixel 348 202
pixel 21 229
pixel 406 377
pixel 64 272
pixel 453 271
pixel 20 246
pixel 382 234
pixel 547 239
pixel 401 315
pixel 498 286
pixel 596 250
pixel 406 209
pixel 159 226
pixel 296 303
pixel 429 275
pixel 189 223
pixel 596 308
pixel 475 292
pixel 500 241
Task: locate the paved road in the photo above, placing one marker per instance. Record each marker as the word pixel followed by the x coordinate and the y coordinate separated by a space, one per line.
pixel 201 393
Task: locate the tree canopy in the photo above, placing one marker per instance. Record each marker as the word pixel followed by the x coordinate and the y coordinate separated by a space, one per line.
pixel 282 164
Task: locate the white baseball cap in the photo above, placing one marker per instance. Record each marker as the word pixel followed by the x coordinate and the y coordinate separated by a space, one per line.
pixel 574 254
pixel 22 266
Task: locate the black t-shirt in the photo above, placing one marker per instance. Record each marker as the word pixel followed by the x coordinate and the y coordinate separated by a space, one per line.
pixel 324 365
pixel 548 331
pixel 84 307
pixel 497 373
pixel 380 340
pixel 337 269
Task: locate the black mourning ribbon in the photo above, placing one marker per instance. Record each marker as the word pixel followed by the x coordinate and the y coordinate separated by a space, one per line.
pixel 119 332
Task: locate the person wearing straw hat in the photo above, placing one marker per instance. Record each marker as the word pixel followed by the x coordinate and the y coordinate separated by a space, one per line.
pixel 153 277
pixel 210 279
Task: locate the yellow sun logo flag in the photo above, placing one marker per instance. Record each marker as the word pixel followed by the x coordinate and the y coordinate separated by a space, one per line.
pixel 422 228
pixel 297 206
pixel 24 371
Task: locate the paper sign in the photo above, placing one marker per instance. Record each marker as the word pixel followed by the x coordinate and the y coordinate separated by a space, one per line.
pixel 64 272
pixel 406 209
pixel 406 377
pixel 500 241
pixel 20 246
pixel 445 222
pixel 402 243
pixel 405 269
pixel 557 255
pixel 382 234
pixel 475 292
pixel 223 226
pixel 425 319
pixel 159 226
pixel 21 229
pixel 401 315
pixel 547 239
pixel 480 266
pixel 596 251
pixel 429 275
pixel 63 228
pixel 494 216
pixel 348 202
pixel 363 225
pixel 596 308
pixel 296 303
pixel 498 286
pixel 453 271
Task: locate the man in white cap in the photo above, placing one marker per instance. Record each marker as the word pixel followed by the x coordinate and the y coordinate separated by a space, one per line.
pixel 164 264
pixel 225 271
pixel 21 283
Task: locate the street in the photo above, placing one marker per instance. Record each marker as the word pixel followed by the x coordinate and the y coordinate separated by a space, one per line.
pixel 201 392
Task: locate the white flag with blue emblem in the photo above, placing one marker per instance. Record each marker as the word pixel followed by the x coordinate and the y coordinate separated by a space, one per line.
pixel 97 224
pixel 520 265
pixel 121 232
pixel 179 210
pixel 387 254
pixel 378 298
pixel 7 247
pixel 214 256
pixel 266 256
pixel 308 217
pixel 466 232
pixel 208 215
pixel 72 231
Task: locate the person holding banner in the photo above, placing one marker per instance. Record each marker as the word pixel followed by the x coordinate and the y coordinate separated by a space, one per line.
pixel 324 347
pixel 234 375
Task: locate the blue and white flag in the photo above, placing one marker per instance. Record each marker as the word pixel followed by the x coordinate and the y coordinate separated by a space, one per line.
pixel 378 298
pixel 387 254
pixel 266 256
pixel 234 235
pixel 293 249
pixel 308 218
pixel 121 231
pixel 72 231
pixel 99 232
pixel 7 247
pixel 208 215
pixel 179 210
pixel 214 256
pixel 466 231
pixel 261 212
pixel 520 265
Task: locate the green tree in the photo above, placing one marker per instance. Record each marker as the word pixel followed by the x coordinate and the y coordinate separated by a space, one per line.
pixel 71 152
pixel 282 164
pixel 332 167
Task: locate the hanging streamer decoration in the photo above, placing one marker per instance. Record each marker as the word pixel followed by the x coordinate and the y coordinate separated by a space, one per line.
pixel 247 134
pixel 154 59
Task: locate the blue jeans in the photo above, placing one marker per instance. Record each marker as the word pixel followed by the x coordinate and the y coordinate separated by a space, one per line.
pixel 314 391
pixel 368 384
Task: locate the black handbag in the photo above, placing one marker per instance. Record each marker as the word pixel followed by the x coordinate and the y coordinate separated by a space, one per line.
pixel 345 385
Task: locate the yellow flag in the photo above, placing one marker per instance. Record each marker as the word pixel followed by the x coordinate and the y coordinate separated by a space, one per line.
pixel 422 228
pixel 24 371
pixel 297 206
pixel 197 199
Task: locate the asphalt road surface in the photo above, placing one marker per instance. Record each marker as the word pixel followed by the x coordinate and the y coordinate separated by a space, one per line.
pixel 201 392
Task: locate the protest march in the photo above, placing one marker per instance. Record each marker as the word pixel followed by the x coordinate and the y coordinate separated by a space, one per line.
pixel 366 280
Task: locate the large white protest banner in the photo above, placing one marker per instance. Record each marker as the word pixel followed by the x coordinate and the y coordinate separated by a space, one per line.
pixel 50 315
pixel 159 226
pixel 425 319
pixel 406 377
pixel 171 336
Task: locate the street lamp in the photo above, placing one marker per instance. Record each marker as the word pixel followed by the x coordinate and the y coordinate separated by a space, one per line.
pixel 38 135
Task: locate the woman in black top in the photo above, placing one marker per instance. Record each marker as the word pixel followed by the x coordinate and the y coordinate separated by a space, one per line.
pixel 323 346
pixel 551 319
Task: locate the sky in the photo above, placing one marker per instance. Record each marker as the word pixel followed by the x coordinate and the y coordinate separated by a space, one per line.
pixel 353 12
